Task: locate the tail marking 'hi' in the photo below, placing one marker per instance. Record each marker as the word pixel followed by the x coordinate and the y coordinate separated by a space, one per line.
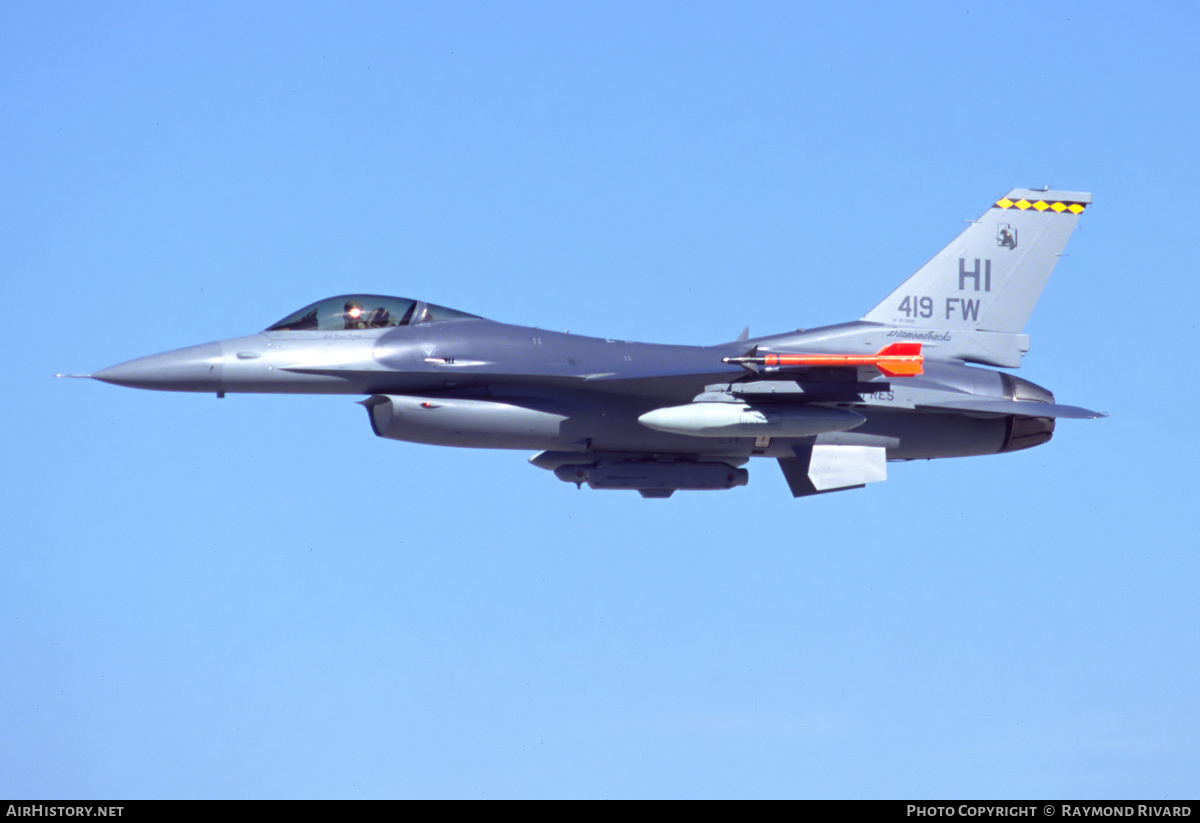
pixel 991 276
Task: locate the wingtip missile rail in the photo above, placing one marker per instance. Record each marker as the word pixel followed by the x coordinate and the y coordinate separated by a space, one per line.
pixel 893 360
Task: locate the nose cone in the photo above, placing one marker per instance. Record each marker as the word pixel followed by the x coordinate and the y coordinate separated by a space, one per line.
pixel 197 368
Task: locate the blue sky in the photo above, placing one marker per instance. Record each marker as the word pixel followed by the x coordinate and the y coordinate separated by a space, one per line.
pixel 255 597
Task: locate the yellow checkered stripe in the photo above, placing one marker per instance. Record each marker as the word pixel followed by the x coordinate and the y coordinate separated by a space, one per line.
pixel 1042 205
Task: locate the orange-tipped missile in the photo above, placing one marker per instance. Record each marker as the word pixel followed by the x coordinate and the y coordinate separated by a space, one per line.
pixel 894 360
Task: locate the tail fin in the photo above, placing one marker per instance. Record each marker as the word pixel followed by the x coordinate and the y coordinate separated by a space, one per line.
pixel 991 275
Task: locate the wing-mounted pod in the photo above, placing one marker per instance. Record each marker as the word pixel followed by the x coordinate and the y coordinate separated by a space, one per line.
pixel 739 419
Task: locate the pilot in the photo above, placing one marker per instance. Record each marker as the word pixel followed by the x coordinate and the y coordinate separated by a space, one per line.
pixel 353 315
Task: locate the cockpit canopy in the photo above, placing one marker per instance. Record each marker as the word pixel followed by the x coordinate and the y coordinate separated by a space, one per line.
pixel 351 312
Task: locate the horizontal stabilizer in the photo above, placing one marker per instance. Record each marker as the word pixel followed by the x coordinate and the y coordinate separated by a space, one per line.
pixel 1024 408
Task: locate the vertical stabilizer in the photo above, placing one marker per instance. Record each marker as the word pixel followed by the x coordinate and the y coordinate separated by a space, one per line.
pixel 991 276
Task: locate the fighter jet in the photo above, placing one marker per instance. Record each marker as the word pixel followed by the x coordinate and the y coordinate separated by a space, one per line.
pixel 907 381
